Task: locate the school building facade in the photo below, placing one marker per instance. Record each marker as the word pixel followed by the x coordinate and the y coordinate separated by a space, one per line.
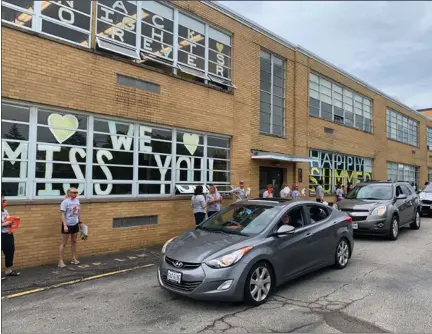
pixel 136 102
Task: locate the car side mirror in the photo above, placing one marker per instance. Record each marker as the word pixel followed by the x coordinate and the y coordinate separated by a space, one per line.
pixel 285 229
pixel 402 196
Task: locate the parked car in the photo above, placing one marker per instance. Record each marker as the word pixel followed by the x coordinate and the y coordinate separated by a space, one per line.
pixel 250 247
pixel 382 208
pixel 425 196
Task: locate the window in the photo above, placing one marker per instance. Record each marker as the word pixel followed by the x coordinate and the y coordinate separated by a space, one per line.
pixel 430 174
pixel 317 213
pixel 406 190
pixel 373 191
pixel 272 95
pixel 400 172
pixel 46 151
pixel 294 217
pixel 66 20
pixel 333 168
pixel 402 128
pixel 429 139
pixel 149 32
pixel 333 102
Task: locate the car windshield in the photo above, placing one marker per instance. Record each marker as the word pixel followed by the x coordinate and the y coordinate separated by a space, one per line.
pixel 427 189
pixel 382 191
pixel 242 219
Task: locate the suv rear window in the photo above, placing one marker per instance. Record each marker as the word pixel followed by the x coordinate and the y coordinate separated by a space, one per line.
pixel 372 191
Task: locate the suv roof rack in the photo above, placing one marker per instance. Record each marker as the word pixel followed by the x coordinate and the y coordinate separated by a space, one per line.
pixel 273 199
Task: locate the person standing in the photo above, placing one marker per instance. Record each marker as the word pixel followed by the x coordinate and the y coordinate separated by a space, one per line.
pixel 71 219
pixel 198 205
pixel 295 194
pixel 240 193
pixel 349 187
pixel 284 193
pixel 7 242
pixel 320 192
pixel 269 192
pixel 214 201
pixel 339 192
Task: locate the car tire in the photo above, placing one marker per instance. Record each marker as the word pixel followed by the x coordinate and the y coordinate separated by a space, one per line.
pixel 342 254
pixel 255 286
pixel 393 233
pixel 415 225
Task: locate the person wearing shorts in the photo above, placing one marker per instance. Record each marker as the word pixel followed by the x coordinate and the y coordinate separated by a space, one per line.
pixel 71 220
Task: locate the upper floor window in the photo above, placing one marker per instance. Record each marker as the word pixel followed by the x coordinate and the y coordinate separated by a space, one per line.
pixel 402 128
pixel 334 102
pixel 69 21
pixel 429 139
pixel 272 95
pixel 149 32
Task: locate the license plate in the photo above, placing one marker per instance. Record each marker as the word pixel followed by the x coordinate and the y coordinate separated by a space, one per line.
pixel 355 226
pixel 173 276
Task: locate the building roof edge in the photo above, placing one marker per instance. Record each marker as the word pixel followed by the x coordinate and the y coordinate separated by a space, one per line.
pixel 255 26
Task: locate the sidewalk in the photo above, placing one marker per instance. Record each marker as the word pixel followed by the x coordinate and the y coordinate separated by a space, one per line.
pixel 48 275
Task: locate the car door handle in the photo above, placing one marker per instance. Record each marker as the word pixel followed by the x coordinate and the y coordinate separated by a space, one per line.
pixel 309 234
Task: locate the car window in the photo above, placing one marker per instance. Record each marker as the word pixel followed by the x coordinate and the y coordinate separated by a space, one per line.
pixel 399 191
pixel 243 219
pixel 317 213
pixel 293 217
pixel 407 191
pixel 372 191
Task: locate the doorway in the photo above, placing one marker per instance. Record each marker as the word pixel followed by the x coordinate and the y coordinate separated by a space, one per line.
pixel 271 175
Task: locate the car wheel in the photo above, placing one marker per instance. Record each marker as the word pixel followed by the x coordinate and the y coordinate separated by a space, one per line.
pixel 394 228
pixel 342 254
pixel 415 225
pixel 259 284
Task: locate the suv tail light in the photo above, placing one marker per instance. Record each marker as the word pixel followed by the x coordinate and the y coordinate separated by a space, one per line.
pixel 348 219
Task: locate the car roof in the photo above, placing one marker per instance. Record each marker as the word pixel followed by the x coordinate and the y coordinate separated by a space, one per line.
pixel 276 201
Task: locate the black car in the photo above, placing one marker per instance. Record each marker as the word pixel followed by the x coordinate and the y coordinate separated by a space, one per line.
pixel 382 208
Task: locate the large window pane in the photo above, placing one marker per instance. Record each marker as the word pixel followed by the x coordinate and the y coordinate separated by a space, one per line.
pixel 402 128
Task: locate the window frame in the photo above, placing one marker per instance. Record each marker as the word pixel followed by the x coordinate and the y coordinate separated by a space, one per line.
pixel 397 171
pixel 309 217
pixel 38 17
pixel 88 192
pixel 273 56
pixel 401 128
pixel 346 98
pixel 429 139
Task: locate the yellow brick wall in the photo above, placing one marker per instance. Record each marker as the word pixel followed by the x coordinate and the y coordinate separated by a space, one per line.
pixel 42 71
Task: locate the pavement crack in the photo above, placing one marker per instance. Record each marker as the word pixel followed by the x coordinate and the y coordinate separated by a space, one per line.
pixel 212 326
pixel 303 326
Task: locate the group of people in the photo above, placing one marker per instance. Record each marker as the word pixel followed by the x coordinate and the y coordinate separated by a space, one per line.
pixel 70 226
pixel 285 192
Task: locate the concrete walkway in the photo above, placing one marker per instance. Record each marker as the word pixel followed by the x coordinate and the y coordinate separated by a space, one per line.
pixel 49 275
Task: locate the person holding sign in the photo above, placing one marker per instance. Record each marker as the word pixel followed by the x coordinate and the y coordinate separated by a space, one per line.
pixel 8 241
pixel 71 220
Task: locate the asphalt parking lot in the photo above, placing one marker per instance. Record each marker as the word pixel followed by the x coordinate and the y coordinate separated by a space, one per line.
pixel 387 287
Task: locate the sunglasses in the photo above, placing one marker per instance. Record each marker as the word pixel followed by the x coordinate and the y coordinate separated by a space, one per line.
pixel 74 192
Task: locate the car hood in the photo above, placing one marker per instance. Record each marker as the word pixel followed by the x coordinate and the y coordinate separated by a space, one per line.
pixel 424 195
pixel 359 204
pixel 197 245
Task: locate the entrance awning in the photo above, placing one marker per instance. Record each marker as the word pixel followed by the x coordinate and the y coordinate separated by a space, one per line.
pixel 260 155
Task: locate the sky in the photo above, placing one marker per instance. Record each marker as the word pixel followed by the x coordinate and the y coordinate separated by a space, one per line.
pixel 386 44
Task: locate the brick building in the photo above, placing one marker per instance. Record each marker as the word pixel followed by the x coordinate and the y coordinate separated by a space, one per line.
pixel 136 112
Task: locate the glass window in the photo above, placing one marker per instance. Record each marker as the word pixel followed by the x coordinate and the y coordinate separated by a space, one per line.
pixel 334 168
pixel 334 102
pixel 402 128
pixel 272 94
pixel 429 139
pixel 128 158
pixel 401 172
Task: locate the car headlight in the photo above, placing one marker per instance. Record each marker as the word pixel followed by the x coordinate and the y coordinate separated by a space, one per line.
pixel 380 211
pixel 166 245
pixel 421 196
pixel 228 259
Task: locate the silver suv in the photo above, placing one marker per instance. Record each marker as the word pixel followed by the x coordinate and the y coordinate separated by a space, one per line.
pixel 382 208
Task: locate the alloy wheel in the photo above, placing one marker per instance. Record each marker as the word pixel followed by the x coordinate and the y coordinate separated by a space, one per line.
pixel 260 284
pixel 342 253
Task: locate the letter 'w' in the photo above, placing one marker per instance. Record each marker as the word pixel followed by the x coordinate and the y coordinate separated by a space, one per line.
pixel 119 141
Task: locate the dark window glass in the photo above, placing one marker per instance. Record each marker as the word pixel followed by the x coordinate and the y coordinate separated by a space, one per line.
pixel 153 174
pixel 13 189
pixel 60 171
pixel 157 35
pixel 277 129
pixel 266 86
pixel 151 160
pixel 220 47
pixel 15 113
pixel 66 15
pixel 265 117
pixel 190 149
pixel 265 65
pixel 15 131
pixel 278 71
pixel 218 142
pixel 64 32
pixel 191 60
pixel 218 164
pixel 265 97
pixel 118 173
pixel 155 189
pixel 16 17
pixel 185 162
pixel 124 36
pixel 182 175
pixel 118 157
pixel 217 153
pixel 57 136
pixel 264 127
pixel 64 154
pixel 326 111
pixel 184 136
pixel 217 57
pixel 14 169
pixel 26 4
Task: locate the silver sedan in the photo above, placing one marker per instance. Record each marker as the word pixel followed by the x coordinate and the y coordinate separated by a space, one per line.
pixel 250 247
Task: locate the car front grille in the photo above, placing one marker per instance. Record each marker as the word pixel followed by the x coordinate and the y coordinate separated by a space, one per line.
pixel 183 286
pixel 185 265
pixel 350 210
pixel 425 201
pixel 358 218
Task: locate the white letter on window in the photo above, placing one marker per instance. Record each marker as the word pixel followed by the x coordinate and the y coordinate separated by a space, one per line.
pixel 155 35
pixel 99 157
pixel 163 169
pixel 76 168
pixel 50 149
pixel 106 12
pixel 145 139
pixel 147 45
pixel 159 25
pixel 220 59
pixel 119 141
pixel 219 70
pixel 71 19
pixel 191 60
pixel 117 32
pixel 121 5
